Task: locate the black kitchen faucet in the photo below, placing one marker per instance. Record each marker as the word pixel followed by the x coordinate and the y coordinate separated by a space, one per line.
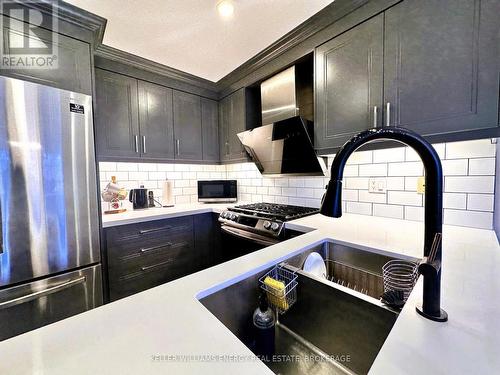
pixel 430 267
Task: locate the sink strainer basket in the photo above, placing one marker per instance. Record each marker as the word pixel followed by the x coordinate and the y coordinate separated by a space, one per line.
pixel 280 287
pixel 400 275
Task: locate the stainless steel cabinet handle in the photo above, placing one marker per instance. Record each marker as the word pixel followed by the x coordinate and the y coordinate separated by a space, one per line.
pixel 227 148
pixel 152 248
pixel 136 140
pixel 388 114
pixel 375 112
pixel 144 144
pixel 42 293
pixel 146 268
pixel 146 231
pixel 178 143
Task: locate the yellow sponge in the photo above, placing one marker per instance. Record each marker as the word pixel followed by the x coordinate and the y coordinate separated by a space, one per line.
pixel 276 293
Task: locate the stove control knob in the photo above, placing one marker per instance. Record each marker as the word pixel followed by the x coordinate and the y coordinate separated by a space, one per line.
pixel 275 227
pixel 233 217
pixel 267 224
pixel 224 214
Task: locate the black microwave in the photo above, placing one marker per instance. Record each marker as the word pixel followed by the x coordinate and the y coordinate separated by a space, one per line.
pixel 217 191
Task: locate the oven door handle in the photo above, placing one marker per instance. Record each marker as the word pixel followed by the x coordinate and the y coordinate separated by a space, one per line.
pixel 261 240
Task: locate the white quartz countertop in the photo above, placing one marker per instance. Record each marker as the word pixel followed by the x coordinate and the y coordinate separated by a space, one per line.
pixel 157 213
pixel 122 337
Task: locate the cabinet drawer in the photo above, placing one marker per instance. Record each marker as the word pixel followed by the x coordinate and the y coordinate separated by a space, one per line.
pixel 149 271
pixel 123 235
pixel 148 255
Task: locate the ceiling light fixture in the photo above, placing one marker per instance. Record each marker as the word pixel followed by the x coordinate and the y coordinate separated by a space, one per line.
pixel 225 8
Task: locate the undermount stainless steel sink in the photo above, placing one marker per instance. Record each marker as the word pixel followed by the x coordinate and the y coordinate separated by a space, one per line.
pixel 332 328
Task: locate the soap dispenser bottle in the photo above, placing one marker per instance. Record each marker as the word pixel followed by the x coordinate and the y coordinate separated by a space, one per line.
pixel 264 323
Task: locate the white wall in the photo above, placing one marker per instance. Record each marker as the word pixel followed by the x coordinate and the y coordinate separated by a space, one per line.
pixel 469 169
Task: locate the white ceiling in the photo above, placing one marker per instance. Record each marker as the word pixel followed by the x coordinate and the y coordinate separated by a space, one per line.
pixel 189 35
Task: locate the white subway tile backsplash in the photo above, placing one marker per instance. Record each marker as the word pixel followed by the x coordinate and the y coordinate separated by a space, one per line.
pixel 289 192
pixel 483 166
pixel 457 167
pixel 406 198
pixel 470 184
pixel 128 167
pixel 372 170
pixel 365 196
pixel 305 192
pixel 480 202
pixel 455 200
pixel 296 182
pixel 349 195
pixel 316 183
pixel 470 149
pixel 469 169
pixel 356 183
pixel 414 213
pixel 147 167
pixel 361 157
pixel 389 155
pixel 472 219
pixel 359 208
pixel 386 210
pixel 414 168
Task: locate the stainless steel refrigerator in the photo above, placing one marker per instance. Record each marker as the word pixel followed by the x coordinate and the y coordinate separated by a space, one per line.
pixel 49 225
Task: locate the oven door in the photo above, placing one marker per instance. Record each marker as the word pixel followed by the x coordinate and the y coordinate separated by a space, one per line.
pixel 238 242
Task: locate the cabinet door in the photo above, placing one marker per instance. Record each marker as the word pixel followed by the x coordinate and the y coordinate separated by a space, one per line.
pixel 441 65
pixel 156 121
pixel 349 78
pixel 187 126
pixel 117 122
pixel 73 71
pixel 209 126
pixel 237 124
pixel 224 119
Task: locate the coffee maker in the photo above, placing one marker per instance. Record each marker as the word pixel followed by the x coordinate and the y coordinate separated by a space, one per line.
pixel 139 198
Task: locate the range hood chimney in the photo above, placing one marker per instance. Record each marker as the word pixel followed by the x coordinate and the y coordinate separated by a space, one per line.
pixel 283 145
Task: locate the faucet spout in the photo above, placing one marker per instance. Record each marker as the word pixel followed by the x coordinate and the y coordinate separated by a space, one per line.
pixel 430 268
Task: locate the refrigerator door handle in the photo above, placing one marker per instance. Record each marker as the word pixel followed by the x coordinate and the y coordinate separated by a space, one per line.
pixel 42 293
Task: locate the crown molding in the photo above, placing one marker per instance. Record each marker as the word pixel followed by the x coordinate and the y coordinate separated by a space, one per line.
pixel 72 15
pixel 138 62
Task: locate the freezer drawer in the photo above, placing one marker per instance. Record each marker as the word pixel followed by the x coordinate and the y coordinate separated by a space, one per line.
pixel 30 306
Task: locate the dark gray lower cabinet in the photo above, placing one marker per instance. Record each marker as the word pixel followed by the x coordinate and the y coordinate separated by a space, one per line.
pixel 349 85
pixel 187 126
pixel 141 256
pixel 441 72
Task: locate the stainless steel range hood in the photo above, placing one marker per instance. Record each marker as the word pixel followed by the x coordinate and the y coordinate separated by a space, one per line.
pixel 283 145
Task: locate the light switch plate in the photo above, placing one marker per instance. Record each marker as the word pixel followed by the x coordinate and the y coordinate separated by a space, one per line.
pixel 421 185
pixel 377 185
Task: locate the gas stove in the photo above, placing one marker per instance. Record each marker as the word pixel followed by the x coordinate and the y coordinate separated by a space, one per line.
pixel 266 219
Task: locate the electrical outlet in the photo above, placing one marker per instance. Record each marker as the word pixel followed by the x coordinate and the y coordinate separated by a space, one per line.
pixel 421 185
pixel 377 185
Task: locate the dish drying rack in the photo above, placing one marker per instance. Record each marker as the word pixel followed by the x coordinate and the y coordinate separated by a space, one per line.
pixel 281 298
pixel 357 279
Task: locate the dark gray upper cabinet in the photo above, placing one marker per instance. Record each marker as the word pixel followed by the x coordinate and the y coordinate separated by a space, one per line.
pixel 117 119
pixel 349 82
pixel 441 65
pixel 187 126
pixel 209 127
pixel 437 73
pixel 156 121
pixel 73 70
pixel 233 120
